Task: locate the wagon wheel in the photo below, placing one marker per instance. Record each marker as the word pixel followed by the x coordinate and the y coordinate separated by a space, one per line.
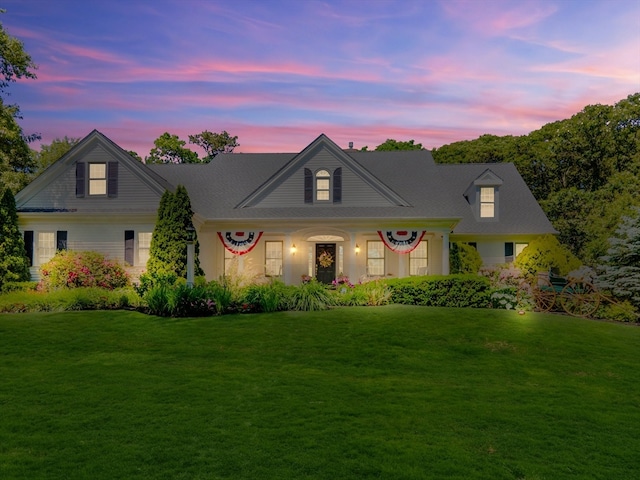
pixel 580 299
pixel 544 295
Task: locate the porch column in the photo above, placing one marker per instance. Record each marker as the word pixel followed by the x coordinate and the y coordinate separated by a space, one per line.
pixel 289 258
pixel 445 253
pixel 353 259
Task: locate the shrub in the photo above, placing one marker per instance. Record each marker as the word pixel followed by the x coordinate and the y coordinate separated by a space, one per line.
pixel 82 298
pixel 618 311
pixel 464 258
pixel 69 269
pixel 268 297
pixel 149 280
pixel 158 301
pixel 441 291
pixel 312 296
pixel 545 253
pixel 191 301
pixel 506 298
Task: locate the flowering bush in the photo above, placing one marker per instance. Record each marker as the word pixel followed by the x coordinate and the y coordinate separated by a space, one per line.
pixel 69 269
pixel 505 299
pixel 342 281
pixel 306 278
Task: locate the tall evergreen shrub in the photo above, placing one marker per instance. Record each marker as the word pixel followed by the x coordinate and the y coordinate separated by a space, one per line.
pixel 168 251
pixel 14 264
pixel 620 268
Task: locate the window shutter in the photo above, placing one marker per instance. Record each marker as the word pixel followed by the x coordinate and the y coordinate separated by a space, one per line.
pixel 308 186
pixel 80 183
pixel 28 245
pixel 337 185
pixel 112 179
pixel 508 252
pixel 61 240
pixel 129 236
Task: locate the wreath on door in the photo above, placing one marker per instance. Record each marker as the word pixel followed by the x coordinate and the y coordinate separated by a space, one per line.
pixel 325 259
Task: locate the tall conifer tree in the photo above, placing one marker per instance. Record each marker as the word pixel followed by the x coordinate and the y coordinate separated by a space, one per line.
pixel 14 264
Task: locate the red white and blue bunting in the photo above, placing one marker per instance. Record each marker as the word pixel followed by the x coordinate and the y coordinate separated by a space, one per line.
pixel 239 243
pixel 401 241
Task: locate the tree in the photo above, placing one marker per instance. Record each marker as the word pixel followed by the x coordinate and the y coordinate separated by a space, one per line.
pixel 214 143
pixel 620 267
pixel 168 251
pixel 49 154
pixel 16 162
pixel 135 155
pixel 14 264
pixel 390 145
pixel 170 149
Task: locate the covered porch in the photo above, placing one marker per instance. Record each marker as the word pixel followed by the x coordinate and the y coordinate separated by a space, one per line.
pixel 324 253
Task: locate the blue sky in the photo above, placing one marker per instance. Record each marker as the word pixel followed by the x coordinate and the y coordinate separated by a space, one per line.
pixel 279 73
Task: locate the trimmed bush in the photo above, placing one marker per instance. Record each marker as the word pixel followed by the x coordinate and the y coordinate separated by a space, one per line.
pixel 464 258
pixel 441 291
pixel 545 253
pixel 69 299
pixel 71 269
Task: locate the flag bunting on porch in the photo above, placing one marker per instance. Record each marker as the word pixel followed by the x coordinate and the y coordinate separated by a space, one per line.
pixel 401 241
pixel 239 243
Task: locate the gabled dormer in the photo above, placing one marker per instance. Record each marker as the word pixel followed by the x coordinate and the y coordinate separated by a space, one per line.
pixel 483 196
pixel 323 175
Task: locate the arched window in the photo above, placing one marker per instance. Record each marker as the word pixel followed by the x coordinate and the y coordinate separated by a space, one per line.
pixel 323 185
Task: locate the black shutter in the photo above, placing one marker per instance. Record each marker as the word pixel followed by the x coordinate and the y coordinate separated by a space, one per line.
pixel 61 240
pixel 508 249
pixel 128 246
pixel 308 186
pixel 337 185
pixel 28 245
pixel 508 252
pixel 80 182
pixel 112 179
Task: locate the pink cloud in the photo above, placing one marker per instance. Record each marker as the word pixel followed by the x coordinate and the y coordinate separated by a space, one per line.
pixel 497 17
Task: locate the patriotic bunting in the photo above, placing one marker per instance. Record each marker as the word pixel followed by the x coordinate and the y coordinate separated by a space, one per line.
pixel 401 241
pixel 239 243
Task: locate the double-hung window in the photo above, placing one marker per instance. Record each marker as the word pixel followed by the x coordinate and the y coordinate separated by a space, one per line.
pixel 375 258
pixel 487 202
pixel 323 185
pixel 418 259
pixel 97 179
pixel 273 259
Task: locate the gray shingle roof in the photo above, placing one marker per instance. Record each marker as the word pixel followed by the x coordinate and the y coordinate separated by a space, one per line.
pixel 433 192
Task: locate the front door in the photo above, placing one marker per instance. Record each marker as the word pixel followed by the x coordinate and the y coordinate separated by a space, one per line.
pixel 325 262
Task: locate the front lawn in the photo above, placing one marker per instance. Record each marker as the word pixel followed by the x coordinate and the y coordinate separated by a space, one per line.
pixel 394 392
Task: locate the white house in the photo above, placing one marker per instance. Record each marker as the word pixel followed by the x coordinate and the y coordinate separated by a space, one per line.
pixel 321 212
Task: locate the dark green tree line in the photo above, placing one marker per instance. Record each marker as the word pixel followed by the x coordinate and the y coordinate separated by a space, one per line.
pixel 584 171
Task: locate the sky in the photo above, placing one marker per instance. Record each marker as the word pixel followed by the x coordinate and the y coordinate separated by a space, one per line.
pixel 279 73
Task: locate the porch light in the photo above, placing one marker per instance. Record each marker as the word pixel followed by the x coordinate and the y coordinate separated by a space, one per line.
pixel 357 249
pixel 191 234
pixel 293 249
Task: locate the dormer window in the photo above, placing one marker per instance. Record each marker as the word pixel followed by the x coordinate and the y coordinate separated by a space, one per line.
pixel 323 183
pixel 323 186
pixel 483 196
pixel 487 202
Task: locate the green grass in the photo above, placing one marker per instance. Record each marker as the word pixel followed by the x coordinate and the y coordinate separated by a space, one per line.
pixel 391 392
